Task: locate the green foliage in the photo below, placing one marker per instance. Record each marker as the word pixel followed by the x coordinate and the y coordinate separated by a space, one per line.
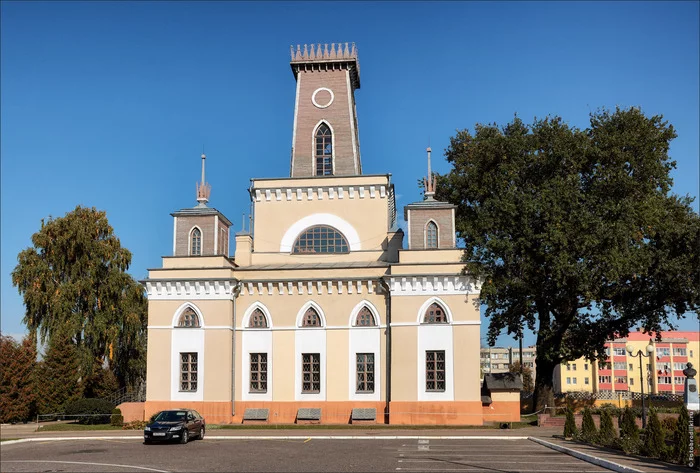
pixel 588 432
pixel 117 418
pixel 612 409
pixel 574 232
pixel 681 447
pixel 570 429
pixel 528 382
pixel 58 375
pixel 73 280
pixel 654 436
pixel 17 362
pixel 100 383
pixel 606 435
pixel 628 425
pixel 669 424
pixel 135 425
pixel 89 411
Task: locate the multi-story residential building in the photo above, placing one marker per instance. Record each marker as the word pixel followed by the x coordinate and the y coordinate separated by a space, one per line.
pixel 499 359
pixel 662 370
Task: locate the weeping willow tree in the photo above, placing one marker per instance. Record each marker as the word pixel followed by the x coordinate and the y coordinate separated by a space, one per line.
pixel 74 284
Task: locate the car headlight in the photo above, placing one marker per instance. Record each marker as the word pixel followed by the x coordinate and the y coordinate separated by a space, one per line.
pixel 176 428
pixel 147 429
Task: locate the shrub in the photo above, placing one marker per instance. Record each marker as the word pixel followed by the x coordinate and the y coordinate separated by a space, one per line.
pixel 628 425
pixel 570 429
pixel 89 411
pixel 654 437
pixel 117 417
pixel 626 444
pixel 606 435
pixel 588 429
pixel 134 425
pixel 613 410
pixel 681 450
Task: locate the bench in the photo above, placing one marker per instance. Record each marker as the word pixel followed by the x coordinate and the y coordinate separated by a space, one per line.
pixel 309 415
pixel 255 415
pixel 363 415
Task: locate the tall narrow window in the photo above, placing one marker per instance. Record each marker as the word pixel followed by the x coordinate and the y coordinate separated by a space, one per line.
pixel 365 372
pixel 188 372
pixel 311 318
pixel 435 315
pixel 257 319
pixel 365 318
pixel 311 373
pixel 196 242
pixel 258 372
pixel 431 235
pixel 324 151
pixel 435 370
pixel 188 318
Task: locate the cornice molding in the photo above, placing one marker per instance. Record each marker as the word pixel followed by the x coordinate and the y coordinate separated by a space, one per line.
pixel 307 193
pixel 429 285
pixel 210 289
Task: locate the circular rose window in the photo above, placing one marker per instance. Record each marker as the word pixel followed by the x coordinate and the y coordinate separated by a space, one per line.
pixel 322 97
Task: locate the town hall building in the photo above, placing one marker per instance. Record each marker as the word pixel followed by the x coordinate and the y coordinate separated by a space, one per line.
pixel 327 312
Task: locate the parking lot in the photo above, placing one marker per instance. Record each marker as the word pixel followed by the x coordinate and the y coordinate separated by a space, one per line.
pixel 310 454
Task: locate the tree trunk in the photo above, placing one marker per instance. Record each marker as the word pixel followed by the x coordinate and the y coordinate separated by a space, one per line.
pixel 544 385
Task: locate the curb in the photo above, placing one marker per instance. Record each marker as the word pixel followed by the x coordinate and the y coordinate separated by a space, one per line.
pixel 610 465
pixel 287 437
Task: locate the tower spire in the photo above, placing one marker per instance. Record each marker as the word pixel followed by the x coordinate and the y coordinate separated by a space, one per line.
pixel 203 189
pixel 429 182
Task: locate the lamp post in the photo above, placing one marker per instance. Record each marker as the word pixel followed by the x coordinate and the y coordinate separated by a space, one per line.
pixel 640 354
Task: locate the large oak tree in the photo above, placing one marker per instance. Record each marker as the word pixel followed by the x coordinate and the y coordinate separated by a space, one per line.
pixel 74 283
pixel 574 233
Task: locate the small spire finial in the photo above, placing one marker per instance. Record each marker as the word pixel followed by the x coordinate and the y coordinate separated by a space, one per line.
pixel 203 189
pixel 429 182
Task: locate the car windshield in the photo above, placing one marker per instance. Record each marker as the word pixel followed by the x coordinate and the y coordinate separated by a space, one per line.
pixel 171 416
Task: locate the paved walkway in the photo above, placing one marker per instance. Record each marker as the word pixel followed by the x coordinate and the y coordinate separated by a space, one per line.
pixel 548 434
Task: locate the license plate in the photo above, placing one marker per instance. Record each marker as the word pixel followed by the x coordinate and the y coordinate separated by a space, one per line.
pixel 159 434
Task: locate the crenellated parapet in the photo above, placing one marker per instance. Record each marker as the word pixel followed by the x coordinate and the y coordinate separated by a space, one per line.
pixel 319 52
pixel 310 57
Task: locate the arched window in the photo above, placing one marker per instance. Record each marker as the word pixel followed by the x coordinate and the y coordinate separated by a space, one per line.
pixel 435 315
pixel 324 151
pixel 365 318
pixel 196 242
pixel 431 235
pixel 188 318
pixel 320 239
pixel 311 318
pixel 257 319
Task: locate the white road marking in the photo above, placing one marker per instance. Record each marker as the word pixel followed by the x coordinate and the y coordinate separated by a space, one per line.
pixel 494 461
pixel 87 463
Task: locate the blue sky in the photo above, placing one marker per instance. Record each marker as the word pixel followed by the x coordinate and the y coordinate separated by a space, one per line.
pixel 108 104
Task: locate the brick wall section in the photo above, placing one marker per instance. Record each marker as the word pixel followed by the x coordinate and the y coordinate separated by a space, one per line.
pixel 337 115
pixel 419 219
pixel 182 234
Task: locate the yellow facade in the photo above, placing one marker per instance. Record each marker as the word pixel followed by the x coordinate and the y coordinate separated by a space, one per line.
pixel 322 306
pixel 662 369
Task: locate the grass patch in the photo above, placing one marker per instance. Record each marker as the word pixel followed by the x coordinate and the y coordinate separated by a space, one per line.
pixel 6 440
pixel 72 426
pixel 343 427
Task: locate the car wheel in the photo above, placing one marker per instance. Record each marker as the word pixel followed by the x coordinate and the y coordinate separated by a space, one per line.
pixel 201 433
pixel 185 436
pixel 147 441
